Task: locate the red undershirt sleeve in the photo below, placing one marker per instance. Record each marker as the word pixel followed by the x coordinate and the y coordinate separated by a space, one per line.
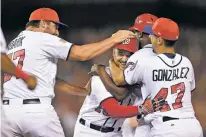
pixel 111 106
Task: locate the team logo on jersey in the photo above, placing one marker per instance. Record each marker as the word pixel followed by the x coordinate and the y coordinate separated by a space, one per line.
pixel 131 65
pixel 126 41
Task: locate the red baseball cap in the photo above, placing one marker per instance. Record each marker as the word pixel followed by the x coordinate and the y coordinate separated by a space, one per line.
pixel 144 23
pixel 166 29
pixel 46 14
pixel 130 45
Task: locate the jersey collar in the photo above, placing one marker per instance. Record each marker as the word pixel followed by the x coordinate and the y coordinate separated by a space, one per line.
pixel 148 46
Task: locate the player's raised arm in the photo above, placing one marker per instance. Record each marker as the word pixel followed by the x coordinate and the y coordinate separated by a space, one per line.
pixel 89 51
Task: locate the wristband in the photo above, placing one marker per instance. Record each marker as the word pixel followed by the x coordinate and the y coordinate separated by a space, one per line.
pixel 20 74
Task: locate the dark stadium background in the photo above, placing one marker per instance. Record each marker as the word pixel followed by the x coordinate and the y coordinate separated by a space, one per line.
pixel 93 20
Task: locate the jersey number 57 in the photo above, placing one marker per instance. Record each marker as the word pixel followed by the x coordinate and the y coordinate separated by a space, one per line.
pixel 21 55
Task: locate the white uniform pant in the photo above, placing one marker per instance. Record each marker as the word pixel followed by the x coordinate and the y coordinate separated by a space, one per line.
pixel 33 120
pixel 177 128
pixel 143 129
pixel 127 130
pixel 85 131
pixel 5 125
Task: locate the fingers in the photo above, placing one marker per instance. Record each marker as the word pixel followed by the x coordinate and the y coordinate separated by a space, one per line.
pixel 132 35
pixel 94 70
pixel 147 109
pixel 121 35
pixel 158 103
pixel 31 82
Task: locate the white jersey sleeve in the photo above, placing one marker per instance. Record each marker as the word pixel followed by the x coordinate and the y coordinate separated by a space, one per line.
pixel 135 70
pixel 55 47
pixel 2 42
pixel 99 89
pixel 192 78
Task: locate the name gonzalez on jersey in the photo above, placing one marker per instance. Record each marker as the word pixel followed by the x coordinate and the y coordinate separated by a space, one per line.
pixel 170 74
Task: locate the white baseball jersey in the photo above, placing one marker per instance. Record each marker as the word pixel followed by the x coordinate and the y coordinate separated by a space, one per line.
pixel 35 53
pixel 91 109
pixel 145 52
pixel 2 42
pixel 143 129
pixel 169 78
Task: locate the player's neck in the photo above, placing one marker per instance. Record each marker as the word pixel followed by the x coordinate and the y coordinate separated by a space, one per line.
pixel 145 42
pixel 34 29
pixel 166 50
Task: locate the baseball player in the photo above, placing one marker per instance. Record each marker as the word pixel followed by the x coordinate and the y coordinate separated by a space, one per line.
pixel 142 26
pixel 168 75
pixel 36 51
pixel 101 114
pixel 7 66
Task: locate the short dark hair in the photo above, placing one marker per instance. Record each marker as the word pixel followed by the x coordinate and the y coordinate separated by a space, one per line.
pixel 169 43
pixel 33 23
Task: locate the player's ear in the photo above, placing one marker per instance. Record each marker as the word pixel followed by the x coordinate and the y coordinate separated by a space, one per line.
pixel 114 50
pixel 160 41
pixel 140 34
pixel 42 24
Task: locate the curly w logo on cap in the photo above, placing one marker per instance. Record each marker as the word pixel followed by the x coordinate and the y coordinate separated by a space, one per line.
pixel 130 45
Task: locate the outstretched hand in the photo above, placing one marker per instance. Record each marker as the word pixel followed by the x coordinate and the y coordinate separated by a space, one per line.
pixel 150 106
pixel 122 35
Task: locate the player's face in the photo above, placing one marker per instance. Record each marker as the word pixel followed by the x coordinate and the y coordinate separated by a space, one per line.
pixel 120 57
pixel 52 28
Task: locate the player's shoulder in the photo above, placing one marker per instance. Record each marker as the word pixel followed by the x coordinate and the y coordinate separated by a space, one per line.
pixel 39 36
pixel 146 50
pixel 143 53
pixel 47 37
pixel 186 60
pixel 95 80
pixel 96 84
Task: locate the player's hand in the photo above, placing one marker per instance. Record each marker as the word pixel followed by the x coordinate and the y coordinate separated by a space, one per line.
pixel 121 35
pixel 31 82
pixel 95 69
pixel 150 106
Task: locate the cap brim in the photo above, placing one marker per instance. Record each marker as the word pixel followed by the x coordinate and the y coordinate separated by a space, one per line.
pixel 62 24
pixel 148 29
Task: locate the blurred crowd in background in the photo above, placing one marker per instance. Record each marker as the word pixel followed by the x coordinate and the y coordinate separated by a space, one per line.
pixel 94 20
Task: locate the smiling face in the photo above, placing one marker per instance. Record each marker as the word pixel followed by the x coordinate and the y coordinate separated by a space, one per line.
pixel 120 57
